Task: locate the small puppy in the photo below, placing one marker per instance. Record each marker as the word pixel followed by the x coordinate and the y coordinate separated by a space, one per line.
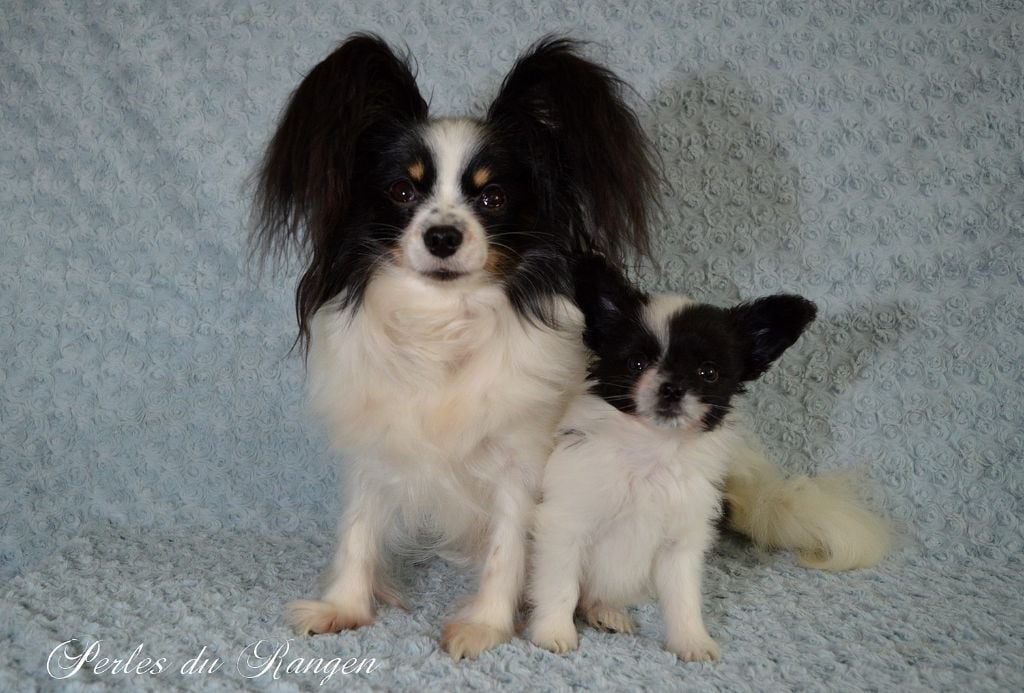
pixel 633 488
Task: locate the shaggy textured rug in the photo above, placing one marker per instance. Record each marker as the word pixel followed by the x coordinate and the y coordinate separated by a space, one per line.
pixel 162 492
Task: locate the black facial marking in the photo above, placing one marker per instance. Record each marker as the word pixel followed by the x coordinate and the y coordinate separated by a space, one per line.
pixel 713 352
pixel 399 153
pixel 529 250
pixel 710 355
pixel 613 367
pixel 704 359
pixel 622 344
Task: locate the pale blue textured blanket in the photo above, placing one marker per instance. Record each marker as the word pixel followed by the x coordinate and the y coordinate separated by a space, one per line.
pixel 160 484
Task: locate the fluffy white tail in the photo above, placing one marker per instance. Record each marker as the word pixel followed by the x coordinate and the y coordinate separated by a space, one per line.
pixel 821 520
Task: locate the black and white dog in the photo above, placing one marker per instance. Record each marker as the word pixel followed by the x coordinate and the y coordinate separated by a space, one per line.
pixel 632 490
pixel 436 305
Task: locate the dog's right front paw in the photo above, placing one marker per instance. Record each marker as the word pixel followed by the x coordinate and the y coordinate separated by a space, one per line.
pixel 555 635
pixel 313 616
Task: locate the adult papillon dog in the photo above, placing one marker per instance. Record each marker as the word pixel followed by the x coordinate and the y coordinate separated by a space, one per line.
pixel 436 311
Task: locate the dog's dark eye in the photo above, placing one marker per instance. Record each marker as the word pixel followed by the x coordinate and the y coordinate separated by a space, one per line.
pixel 492 197
pixel 636 363
pixel 708 372
pixel 403 192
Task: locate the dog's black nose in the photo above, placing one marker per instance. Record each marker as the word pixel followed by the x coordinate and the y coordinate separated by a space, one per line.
pixel 442 241
pixel 670 393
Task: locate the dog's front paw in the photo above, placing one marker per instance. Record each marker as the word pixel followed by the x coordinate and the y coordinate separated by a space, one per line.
pixel 558 636
pixel 697 648
pixel 313 616
pixel 608 618
pixel 468 639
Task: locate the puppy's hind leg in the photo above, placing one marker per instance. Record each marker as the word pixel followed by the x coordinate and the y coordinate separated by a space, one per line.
pixel 604 616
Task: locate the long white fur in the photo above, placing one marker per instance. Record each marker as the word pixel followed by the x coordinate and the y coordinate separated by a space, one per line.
pixel 628 509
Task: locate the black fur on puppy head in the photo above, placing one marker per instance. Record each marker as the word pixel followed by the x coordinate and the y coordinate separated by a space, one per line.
pixel 362 180
pixel 674 362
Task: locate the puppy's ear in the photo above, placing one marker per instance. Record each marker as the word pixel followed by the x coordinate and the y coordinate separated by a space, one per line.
pixel 304 181
pixel 769 326
pixel 589 156
pixel 608 301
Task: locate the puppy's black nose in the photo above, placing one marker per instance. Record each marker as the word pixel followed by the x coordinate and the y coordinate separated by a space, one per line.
pixel 442 241
pixel 670 393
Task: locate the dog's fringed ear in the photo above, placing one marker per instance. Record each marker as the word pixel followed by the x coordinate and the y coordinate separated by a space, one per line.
pixel 304 182
pixel 769 326
pixel 607 299
pixel 589 154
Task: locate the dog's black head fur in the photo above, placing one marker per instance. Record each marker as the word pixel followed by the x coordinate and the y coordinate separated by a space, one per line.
pixel 675 362
pixel 559 166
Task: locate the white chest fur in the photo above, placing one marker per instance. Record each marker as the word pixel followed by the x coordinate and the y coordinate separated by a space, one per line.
pixel 424 386
pixel 626 510
pixel 631 490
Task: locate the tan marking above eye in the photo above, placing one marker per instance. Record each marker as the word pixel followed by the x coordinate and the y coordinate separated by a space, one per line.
pixel 416 171
pixel 481 176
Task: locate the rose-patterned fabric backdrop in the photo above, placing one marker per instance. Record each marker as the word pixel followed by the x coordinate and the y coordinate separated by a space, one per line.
pixel 160 482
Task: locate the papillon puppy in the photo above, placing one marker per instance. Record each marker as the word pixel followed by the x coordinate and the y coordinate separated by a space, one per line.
pixel 436 304
pixel 436 307
pixel 632 490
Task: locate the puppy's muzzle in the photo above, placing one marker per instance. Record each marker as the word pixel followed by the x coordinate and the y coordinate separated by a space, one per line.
pixel 669 396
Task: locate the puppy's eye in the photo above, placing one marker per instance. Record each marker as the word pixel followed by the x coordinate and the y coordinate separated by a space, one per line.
pixel 636 363
pixel 492 197
pixel 708 372
pixel 403 192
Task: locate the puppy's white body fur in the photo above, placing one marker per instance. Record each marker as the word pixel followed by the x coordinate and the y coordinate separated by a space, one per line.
pixel 442 401
pixel 628 509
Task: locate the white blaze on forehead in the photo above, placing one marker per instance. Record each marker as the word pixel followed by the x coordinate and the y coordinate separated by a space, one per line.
pixel 453 143
pixel 660 308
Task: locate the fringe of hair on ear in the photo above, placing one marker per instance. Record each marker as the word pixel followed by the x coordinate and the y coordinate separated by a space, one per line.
pixel 304 184
pixel 822 520
pixel 571 116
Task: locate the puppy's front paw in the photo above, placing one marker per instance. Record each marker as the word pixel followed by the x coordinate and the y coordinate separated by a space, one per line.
pixel 467 639
pixel 697 648
pixel 608 618
pixel 313 616
pixel 558 636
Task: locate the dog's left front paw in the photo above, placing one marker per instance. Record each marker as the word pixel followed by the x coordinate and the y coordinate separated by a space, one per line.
pixel 697 648
pixel 467 639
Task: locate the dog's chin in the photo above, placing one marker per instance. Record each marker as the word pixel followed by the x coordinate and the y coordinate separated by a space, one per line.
pixel 444 275
pixel 671 420
pixel 667 421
